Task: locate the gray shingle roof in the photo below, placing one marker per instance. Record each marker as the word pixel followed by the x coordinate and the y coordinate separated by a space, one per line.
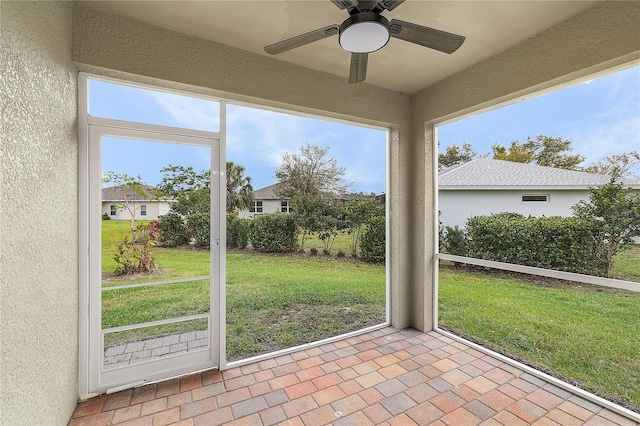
pixel 116 193
pixel 485 173
pixel 269 193
pixel 266 193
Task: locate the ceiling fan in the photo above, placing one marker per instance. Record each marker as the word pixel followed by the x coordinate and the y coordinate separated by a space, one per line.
pixel 366 30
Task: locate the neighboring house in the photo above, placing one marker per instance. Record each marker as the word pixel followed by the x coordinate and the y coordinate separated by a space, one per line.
pixel 265 200
pixel 485 186
pixel 146 207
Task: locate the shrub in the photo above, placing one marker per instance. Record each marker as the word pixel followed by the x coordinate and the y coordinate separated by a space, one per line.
pixel 237 231
pixel 135 256
pixel 105 216
pixel 614 215
pixel 559 243
pixel 372 240
pixel 199 229
pixel 454 241
pixel 172 230
pixel 153 230
pixel 274 233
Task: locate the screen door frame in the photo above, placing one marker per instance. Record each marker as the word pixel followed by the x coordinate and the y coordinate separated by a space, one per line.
pixel 93 378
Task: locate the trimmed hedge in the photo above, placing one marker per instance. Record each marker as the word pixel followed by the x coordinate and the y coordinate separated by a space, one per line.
pixel 453 240
pixel 199 227
pixel 372 240
pixel 558 243
pixel 172 230
pixel 274 233
pixel 238 231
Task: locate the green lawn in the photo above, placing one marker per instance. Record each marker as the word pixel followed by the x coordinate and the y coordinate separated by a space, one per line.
pixel 342 243
pixel 626 265
pixel 273 301
pixel 588 335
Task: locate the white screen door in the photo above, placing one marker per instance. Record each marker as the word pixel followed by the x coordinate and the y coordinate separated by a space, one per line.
pixel 154 289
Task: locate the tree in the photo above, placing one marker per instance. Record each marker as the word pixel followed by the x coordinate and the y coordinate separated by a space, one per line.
pixel 310 173
pixel 543 151
pixel 132 191
pixel 239 189
pixel 305 210
pixel 188 218
pixel 357 213
pixel 330 221
pixel 516 152
pixel 455 155
pixel 613 213
pixel 189 189
pixel 617 166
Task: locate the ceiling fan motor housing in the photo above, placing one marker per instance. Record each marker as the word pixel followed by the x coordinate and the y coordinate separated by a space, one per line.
pixel 364 32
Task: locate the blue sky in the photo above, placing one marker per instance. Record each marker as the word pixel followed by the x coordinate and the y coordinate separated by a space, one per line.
pixel 256 138
pixel 601 117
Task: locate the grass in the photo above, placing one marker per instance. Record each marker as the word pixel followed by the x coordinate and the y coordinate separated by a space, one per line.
pixel 626 264
pixel 273 301
pixel 587 335
pixel 342 243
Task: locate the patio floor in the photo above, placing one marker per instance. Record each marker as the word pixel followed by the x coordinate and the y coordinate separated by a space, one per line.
pixel 385 377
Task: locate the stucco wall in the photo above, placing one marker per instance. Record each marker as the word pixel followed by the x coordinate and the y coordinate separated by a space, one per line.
pixel 457 206
pixel 39 250
pixel 598 39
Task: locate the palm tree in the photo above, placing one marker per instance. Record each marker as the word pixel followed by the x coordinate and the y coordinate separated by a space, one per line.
pixel 239 189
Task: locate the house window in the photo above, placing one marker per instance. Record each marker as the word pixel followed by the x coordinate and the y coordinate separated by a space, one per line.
pixel 143 210
pixel 113 210
pixel 535 198
pixel 284 207
pixel 257 207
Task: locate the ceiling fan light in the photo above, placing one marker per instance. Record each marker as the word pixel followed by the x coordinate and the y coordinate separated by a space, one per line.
pixel 364 33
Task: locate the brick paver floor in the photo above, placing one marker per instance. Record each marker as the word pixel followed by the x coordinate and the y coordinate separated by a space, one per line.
pixel 130 353
pixel 385 377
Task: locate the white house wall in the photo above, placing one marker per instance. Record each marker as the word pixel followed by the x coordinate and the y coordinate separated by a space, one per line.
pixel 153 211
pixel 39 260
pixel 457 206
pixel 268 206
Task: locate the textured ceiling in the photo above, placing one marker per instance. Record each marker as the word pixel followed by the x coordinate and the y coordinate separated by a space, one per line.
pixel 490 27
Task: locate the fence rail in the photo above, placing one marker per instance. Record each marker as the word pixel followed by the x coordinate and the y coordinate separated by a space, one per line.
pixel 561 275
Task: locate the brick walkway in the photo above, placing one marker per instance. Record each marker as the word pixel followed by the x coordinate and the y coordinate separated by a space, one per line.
pixel 385 377
pixel 146 350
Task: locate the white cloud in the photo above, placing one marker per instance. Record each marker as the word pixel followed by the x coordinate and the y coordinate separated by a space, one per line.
pixel 188 112
pixel 257 139
pixel 259 136
pixel 615 131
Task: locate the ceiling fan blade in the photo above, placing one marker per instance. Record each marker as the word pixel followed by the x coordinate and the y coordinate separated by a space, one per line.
pixel 425 36
pixel 345 4
pixel 301 40
pixel 358 71
pixel 390 4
